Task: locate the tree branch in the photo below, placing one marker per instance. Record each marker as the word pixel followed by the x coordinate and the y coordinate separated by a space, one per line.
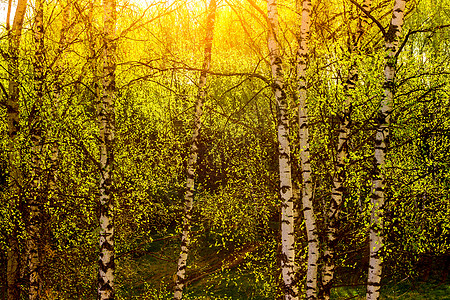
pixel 383 31
pixel 411 32
pixel 187 68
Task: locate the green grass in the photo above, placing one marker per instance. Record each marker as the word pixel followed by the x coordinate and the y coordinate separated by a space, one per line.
pixel 402 291
pixel 148 274
pixel 418 291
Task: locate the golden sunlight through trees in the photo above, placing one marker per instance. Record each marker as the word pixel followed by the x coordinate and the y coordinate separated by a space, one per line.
pixel 228 149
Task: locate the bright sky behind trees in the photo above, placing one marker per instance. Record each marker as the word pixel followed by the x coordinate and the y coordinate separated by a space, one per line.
pixel 3 11
pixel 141 3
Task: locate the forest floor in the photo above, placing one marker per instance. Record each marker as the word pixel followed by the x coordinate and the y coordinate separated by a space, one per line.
pixel 432 290
pixel 150 272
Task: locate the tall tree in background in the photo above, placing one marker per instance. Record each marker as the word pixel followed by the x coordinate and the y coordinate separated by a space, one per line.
pixel 12 105
pixel 284 157
pixel 106 119
pixel 305 160
pixel 57 95
pixel 193 154
pixel 36 197
pixel 381 141
pixel 339 176
pixel 93 47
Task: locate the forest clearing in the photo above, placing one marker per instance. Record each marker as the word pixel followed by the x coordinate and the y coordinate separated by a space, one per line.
pixel 225 149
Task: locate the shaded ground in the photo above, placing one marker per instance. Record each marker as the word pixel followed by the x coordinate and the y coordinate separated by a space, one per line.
pixel 148 273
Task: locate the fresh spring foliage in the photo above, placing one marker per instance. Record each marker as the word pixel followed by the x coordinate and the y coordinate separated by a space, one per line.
pixel 236 218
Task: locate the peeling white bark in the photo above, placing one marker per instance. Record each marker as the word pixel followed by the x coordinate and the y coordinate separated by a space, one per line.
pixel 106 121
pixel 307 184
pixel 192 161
pixel 337 191
pixel 284 159
pixel 381 140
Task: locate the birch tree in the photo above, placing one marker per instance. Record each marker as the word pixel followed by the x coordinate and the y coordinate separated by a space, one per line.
pixel 106 121
pixel 339 176
pixel 381 141
pixel 36 198
pixel 307 184
pixel 193 154
pixel 288 267
pixel 12 105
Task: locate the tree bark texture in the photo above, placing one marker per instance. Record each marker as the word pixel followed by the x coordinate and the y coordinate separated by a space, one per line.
pixel 12 105
pixel 288 267
pixel 193 154
pixel 337 190
pixel 35 199
pixel 381 141
pixel 106 119
pixel 307 184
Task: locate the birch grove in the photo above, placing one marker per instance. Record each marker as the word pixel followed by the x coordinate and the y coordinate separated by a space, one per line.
pixel 309 160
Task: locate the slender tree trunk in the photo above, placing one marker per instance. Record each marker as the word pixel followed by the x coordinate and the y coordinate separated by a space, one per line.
pixel 57 94
pixel 8 15
pixel 381 141
pixel 363 21
pixel 62 45
pixel 35 201
pixel 106 119
pixel 307 185
pixel 193 154
pixel 13 266
pixel 13 253
pixel 337 190
pixel 93 49
pixel 288 267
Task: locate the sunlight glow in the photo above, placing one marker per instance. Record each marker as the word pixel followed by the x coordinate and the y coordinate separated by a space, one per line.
pixel 3 12
pixel 140 3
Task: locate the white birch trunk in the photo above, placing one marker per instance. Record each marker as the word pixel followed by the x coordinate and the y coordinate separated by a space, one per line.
pixel 381 140
pixel 284 159
pixel 106 118
pixel 193 154
pixel 337 190
pixel 307 185
pixel 35 201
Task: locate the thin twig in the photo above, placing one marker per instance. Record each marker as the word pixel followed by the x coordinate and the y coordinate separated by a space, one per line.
pixel 383 31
